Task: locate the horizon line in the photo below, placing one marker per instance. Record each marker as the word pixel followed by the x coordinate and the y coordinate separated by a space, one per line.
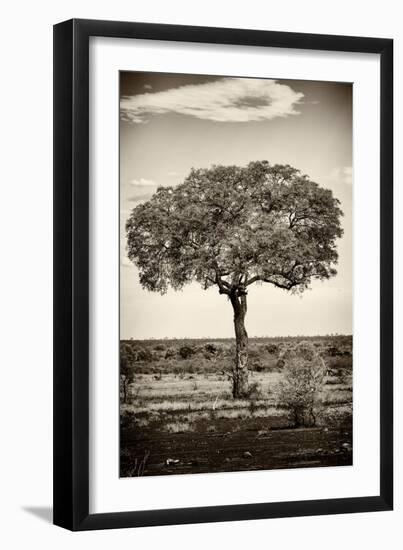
pixel 331 335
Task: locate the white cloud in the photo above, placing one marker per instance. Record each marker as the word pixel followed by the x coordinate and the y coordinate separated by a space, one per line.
pixel 143 182
pixel 342 174
pixel 225 100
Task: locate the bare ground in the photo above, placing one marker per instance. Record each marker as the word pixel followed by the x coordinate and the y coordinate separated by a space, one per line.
pixel 236 451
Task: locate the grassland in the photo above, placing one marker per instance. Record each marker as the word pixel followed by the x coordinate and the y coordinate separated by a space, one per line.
pixel 178 414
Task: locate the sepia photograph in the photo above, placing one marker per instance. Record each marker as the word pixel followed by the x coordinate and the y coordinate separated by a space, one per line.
pixel 236 305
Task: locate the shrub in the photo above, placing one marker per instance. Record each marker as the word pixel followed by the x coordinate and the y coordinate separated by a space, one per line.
pixel 190 368
pixel 128 355
pixel 144 354
pixel 170 352
pixel 280 363
pixel 303 380
pixel 340 363
pixel 258 367
pixel 159 347
pixel 253 391
pixel 272 349
pixel 334 351
pixel 186 351
pixel 211 349
pixel 253 354
pixel 126 378
pixel 127 418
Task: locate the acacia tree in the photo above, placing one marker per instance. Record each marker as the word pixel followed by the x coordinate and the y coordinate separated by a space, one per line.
pixel 231 227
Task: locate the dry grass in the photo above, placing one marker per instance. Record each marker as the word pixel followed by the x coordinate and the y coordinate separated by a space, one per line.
pixel 175 396
pixel 177 405
pixel 178 427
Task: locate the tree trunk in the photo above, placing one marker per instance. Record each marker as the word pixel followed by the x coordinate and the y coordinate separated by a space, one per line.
pixel 240 368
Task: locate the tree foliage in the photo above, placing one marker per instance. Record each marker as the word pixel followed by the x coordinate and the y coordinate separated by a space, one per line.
pixel 233 226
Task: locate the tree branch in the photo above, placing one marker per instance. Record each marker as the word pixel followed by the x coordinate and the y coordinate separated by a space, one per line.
pixel 221 284
pixel 253 280
pixel 279 285
pixel 288 286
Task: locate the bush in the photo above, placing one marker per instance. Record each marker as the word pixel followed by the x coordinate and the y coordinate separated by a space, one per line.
pixel 212 349
pixel 127 418
pixel 340 363
pixel 144 354
pixel 280 363
pixel 170 352
pixel 258 367
pixel 126 378
pixel 186 351
pixel 159 347
pixel 302 384
pixel 272 349
pixel 334 351
pixel 253 354
pixel 253 391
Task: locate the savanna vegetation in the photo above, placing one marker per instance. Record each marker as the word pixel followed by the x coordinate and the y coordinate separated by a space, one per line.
pixel 179 415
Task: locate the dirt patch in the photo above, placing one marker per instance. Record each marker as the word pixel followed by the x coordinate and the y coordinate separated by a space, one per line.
pixel 242 450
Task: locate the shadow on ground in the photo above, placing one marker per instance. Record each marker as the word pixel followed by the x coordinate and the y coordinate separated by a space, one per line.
pixel 45 513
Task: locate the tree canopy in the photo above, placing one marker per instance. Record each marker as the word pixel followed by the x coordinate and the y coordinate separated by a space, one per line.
pixel 233 226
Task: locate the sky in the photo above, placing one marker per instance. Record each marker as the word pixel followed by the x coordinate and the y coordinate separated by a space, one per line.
pixel 170 123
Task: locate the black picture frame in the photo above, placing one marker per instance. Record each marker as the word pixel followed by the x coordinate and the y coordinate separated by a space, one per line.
pixel 71 274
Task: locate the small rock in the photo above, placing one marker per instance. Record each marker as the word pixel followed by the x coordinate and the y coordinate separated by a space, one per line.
pixel 247 454
pixel 319 450
pixel 346 445
pixel 170 461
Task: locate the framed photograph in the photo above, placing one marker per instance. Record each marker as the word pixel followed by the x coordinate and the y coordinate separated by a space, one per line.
pixel 223 321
